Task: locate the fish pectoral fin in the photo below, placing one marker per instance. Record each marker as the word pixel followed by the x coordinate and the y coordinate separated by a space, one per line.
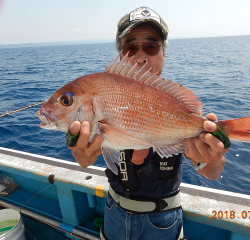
pixel 111 157
pixel 121 138
pixel 168 151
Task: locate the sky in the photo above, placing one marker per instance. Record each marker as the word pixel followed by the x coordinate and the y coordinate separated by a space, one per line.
pixel 33 21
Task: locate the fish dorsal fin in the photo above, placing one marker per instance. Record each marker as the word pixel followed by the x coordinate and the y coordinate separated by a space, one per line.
pixel 184 95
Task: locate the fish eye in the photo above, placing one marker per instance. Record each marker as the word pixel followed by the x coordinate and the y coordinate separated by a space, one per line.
pixel 66 99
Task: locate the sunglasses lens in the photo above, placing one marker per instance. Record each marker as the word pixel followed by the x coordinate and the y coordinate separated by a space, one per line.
pixel 151 48
pixel 132 48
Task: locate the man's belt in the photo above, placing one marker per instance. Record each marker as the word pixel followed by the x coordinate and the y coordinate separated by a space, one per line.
pixel 173 201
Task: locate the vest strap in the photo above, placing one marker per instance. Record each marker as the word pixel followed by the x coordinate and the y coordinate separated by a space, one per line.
pixel 151 206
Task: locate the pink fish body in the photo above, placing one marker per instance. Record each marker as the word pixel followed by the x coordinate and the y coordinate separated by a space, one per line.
pixel 132 109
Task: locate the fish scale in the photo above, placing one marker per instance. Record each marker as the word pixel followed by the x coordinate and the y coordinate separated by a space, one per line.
pixel 146 114
pixel 140 121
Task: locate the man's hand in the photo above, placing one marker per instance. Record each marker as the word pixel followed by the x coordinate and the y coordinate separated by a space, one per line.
pixel 208 149
pixel 85 153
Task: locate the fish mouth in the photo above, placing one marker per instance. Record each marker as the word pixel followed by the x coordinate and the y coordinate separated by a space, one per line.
pixel 46 121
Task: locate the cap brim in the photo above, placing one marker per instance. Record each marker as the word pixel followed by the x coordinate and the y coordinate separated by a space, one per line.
pixel 136 23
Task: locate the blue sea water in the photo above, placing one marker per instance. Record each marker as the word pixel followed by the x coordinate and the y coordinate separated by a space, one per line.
pixel 216 69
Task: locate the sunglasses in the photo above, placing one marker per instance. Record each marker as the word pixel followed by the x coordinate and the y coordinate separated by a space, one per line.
pixel 150 48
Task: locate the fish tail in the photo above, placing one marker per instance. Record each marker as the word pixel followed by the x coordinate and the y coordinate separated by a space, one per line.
pixel 237 129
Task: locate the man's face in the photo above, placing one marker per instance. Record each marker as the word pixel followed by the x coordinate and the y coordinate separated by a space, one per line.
pixel 146 33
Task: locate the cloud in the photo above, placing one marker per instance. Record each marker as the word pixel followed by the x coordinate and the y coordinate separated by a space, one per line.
pixel 77 30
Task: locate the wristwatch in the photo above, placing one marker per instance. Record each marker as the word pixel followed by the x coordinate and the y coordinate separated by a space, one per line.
pixel 199 165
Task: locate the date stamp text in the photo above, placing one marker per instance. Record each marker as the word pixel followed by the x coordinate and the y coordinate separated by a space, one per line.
pixel 230 215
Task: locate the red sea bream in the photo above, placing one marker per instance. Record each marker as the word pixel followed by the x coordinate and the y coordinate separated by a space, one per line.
pixel 132 108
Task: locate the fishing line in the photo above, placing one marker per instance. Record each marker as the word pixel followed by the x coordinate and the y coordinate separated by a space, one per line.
pixel 23 108
pixel 50 225
pixel 37 193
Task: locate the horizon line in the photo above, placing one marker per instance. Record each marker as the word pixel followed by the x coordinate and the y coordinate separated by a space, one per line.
pixel 93 41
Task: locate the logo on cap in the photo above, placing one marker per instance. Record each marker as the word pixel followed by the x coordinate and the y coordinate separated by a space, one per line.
pixel 145 13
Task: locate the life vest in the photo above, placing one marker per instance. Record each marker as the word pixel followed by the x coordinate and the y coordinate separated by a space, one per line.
pixel 156 177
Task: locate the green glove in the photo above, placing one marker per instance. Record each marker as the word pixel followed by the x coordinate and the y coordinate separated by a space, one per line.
pixel 221 135
pixel 71 140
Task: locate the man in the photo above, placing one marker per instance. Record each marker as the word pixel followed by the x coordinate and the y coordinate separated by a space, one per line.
pixel 143 201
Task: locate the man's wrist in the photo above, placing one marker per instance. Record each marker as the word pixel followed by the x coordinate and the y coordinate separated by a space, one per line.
pixel 196 165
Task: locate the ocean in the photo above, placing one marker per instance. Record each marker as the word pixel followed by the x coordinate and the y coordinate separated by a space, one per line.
pixel 216 69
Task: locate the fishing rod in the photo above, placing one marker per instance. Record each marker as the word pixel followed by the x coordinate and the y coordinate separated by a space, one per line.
pixel 23 108
pixel 70 140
